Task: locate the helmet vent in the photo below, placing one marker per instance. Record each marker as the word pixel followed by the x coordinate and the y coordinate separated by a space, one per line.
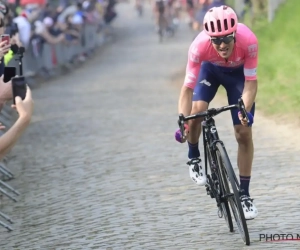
pixel 225 24
pixel 219 25
pixel 212 27
pixel 232 22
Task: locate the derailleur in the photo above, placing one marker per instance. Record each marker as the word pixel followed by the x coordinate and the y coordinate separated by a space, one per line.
pixel 208 187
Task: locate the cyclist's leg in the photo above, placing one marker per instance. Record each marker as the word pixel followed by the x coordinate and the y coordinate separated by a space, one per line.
pixel 234 85
pixel 204 92
pixel 162 25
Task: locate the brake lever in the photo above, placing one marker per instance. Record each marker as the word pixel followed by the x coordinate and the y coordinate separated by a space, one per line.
pixel 241 107
pixel 181 125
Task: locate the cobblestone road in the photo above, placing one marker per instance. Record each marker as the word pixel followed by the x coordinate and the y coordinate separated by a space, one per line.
pixel 99 168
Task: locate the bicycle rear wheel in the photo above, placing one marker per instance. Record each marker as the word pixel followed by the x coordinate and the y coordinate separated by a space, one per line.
pixel 231 187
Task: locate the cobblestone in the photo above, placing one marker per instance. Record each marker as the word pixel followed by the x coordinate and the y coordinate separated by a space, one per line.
pixel 99 167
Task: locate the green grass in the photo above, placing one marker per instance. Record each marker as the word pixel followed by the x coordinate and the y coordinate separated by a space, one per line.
pixel 279 62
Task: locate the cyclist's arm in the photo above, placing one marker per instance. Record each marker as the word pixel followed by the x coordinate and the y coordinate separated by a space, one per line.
pixel 249 93
pixel 185 101
pixel 192 71
pixel 250 67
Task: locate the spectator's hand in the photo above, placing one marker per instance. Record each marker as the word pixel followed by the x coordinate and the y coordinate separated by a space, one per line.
pixel 24 107
pixel 62 37
pixel 16 40
pixel 2 127
pixel 4 48
pixel 5 92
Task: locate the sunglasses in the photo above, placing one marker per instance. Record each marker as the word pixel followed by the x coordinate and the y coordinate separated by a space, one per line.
pixel 222 39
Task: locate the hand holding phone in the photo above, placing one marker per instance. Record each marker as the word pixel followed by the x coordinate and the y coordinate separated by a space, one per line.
pixel 4 45
pixel 18 87
pixel 24 107
pixel 5 38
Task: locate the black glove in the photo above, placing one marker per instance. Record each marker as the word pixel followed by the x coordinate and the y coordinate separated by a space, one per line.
pixel 14 48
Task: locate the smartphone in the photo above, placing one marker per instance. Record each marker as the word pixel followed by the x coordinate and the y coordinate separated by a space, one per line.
pixel 6 38
pixel 18 87
pixel 9 73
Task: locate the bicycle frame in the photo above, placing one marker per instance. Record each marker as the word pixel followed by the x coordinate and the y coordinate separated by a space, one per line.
pixel 210 137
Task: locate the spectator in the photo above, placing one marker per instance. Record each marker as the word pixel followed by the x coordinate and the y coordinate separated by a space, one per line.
pixel 25 110
pixel 33 26
pixel 24 107
pixel 11 29
pixel 4 47
pixel 110 13
pixel 24 27
pixel 42 30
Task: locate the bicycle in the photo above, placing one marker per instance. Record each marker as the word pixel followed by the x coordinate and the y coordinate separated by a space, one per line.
pixel 221 171
pixel 165 28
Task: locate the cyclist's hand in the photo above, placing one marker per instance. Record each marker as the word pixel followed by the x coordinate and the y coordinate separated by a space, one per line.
pixel 178 135
pixel 244 121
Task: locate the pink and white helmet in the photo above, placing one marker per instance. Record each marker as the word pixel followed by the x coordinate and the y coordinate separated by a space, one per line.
pixel 220 21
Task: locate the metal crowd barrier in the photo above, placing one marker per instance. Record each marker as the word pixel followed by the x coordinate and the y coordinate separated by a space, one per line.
pixel 64 53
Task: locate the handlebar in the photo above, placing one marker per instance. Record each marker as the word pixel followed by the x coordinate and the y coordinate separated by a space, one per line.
pixel 211 113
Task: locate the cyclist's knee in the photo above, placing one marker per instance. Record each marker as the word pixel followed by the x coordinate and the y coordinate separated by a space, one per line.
pixel 198 106
pixel 243 134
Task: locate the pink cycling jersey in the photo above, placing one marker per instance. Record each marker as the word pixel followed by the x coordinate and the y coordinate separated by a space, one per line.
pixel 244 53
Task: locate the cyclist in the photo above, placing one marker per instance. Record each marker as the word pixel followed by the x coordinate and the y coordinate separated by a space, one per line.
pixel 203 7
pixel 162 12
pixel 224 53
pixel 139 7
pixel 158 10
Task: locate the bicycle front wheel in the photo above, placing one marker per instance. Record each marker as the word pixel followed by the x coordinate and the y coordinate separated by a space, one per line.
pixel 231 187
pixel 224 207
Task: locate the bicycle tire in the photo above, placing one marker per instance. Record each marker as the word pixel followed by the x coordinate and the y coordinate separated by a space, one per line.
pixel 227 215
pixel 227 173
pixel 224 204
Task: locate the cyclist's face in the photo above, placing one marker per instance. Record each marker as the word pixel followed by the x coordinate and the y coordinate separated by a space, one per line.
pixel 223 45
